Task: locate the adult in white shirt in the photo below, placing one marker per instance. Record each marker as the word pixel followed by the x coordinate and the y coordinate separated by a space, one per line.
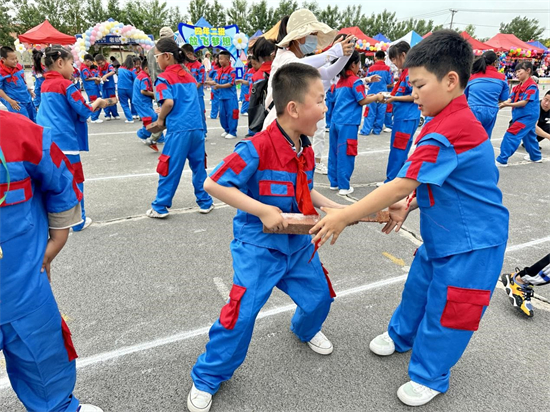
pixel 206 62
pixel 302 34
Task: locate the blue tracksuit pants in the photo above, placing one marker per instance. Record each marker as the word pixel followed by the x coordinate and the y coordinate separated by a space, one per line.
pixel 229 115
pixel 37 91
pixel 215 104
pixel 179 147
pixel 388 118
pixel 521 129
pixel 441 306
pixel 107 92
pixel 76 159
pixel 401 141
pixel 203 113
pixel 26 109
pixel 37 362
pixel 341 154
pixel 244 106
pixel 487 116
pixel 374 122
pixel 125 98
pixel 257 271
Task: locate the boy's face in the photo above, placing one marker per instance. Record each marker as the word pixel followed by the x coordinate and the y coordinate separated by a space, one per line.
pixel 88 62
pixel 430 94
pixel 224 60
pixel 11 60
pixel 190 56
pixel 312 109
pixel 100 62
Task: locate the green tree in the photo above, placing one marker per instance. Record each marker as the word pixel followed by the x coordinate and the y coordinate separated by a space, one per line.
pixel 312 6
pixel 94 12
pixel 331 16
pixel 384 23
pixel 470 29
pixel 197 9
pixel 420 26
pixel 238 14
pixel 114 10
pixel 285 8
pixel 523 28
pixel 215 14
pixel 262 17
pixel 175 17
pixel 6 26
pixel 351 16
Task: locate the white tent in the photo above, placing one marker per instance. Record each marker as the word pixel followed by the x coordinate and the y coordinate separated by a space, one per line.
pixel 412 37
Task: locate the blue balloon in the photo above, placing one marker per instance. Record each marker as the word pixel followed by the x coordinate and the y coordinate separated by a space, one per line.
pixel 87 43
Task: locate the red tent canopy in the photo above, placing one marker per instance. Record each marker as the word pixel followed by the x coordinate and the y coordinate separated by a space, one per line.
pixel 427 34
pixel 45 33
pixel 505 42
pixel 356 31
pixel 476 44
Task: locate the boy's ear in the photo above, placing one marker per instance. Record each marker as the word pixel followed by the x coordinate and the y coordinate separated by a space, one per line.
pixel 453 80
pixel 292 109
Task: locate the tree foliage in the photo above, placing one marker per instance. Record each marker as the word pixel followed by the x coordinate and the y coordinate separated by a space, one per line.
pixel 523 28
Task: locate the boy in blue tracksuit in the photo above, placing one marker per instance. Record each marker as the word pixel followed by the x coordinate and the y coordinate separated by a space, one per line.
pixel 142 98
pixel 197 70
pixel 176 92
pixel 245 87
pixel 349 96
pixel 267 174
pixel 90 80
pixel 108 89
pixel 374 121
pixel 406 114
pixel 524 102
pixel 227 95
pixel 126 76
pixel 452 179
pixel 14 93
pixel 39 202
pixel 214 94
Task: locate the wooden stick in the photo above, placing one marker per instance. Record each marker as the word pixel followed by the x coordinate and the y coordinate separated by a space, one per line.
pixel 155 128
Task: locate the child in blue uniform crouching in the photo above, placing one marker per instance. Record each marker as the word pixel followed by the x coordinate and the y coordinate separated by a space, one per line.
pixel 452 179
pixel 176 92
pixel 266 175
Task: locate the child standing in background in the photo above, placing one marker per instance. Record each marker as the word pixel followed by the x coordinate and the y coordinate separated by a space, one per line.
pixel 90 79
pixel 126 76
pixel 245 85
pixel 199 73
pixel 142 97
pixel 227 94
pixel 108 90
pixel 38 71
pixel 349 96
pixel 14 93
pixel 214 93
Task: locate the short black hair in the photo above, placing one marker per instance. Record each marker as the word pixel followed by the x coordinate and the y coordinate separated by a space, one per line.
pixel 99 58
pixel 291 83
pixel 525 65
pixel 225 53
pixel 443 52
pixel 88 56
pixel 547 93
pixel 380 55
pixel 263 48
pixel 4 51
pixel 54 53
pixel 398 48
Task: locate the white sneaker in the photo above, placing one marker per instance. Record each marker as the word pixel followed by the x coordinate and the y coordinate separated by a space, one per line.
pixel 97 121
pixel 382 345
pixel 333 187
pixel 128 121
pixel 345 192
pixel 207 210
pixel 108 119
pixel 86 407
pixel 387 130
pixel 321 169
pixel 526 157
pixel 224 134
pixel 153 213
pixel 415 394
pixel 117 117
pixel 501 164
pixel 135 117
pixel 320 344
pixel 198 401
pixel 244 114
pixel 230 136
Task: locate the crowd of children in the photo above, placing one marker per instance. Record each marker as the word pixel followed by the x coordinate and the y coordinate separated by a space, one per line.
pixel 272 173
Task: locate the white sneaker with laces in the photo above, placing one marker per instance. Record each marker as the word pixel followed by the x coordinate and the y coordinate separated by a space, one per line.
pixel 501 164
pixel 387 130
pixel 415 394
pixel 320 344
pixel 224 134
pixel 230 136
pixel 207 210
pixel 86 407
pixel 128 121
pixel 321 169
pixel 154 214
pixel 526 157
pixel 345 192
pixel 97 121
pixel 198 401
pixel 382 345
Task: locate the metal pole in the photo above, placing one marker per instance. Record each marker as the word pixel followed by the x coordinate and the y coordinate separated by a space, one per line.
pixel 452 17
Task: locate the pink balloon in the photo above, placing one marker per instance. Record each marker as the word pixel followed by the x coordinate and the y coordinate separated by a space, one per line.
pixel 92 39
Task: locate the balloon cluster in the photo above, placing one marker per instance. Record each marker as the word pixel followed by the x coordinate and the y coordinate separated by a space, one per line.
pixel 366 46
pixel 100 30
pixel 519 52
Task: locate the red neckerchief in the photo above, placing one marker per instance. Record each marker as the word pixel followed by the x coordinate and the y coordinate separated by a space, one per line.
pixel 521 88
pixel 10 71
pixel 225 70
pixel 303 195
pixel 402 78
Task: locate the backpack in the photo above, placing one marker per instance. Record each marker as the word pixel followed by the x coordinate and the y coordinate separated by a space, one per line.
pixel 257 112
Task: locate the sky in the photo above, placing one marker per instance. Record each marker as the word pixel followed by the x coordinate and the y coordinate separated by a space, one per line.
pixel 486 15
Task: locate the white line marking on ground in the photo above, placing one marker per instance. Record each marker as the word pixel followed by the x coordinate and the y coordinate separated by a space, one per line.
pixel 528 244
pixel 141 347
pixel 135 131
pixel 220 285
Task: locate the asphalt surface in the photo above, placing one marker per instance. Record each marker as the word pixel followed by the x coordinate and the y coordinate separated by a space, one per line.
pixel 140 295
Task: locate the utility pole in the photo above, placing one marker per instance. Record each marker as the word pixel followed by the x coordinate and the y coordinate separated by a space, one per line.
pixel 453 11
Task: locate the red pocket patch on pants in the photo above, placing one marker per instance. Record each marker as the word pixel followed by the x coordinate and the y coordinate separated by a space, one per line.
pixel 230 312
pixel 330 288
pixel 464 308
pixel 351 149
pixel 236 114
pixel 366 112
pixel 67 340
pixel 164 165
pixel 401 140
pixel 516 128
pixel 147 120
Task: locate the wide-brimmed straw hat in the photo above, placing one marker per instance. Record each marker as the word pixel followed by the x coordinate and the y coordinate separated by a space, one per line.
pixel 303 22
